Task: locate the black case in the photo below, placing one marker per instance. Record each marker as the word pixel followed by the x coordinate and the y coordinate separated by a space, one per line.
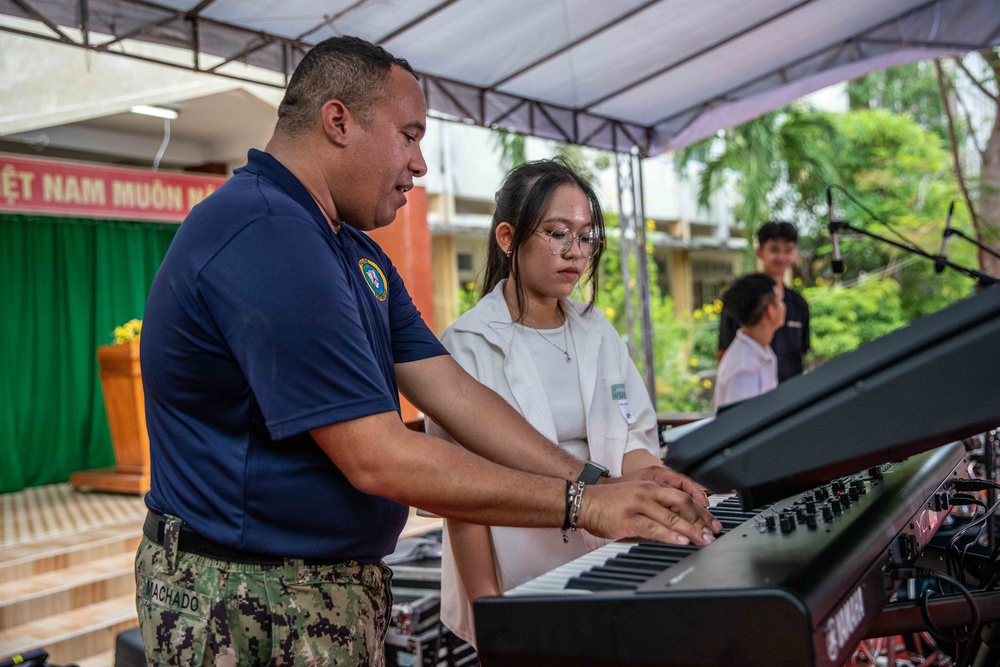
pixel 416 637
pixel 128 649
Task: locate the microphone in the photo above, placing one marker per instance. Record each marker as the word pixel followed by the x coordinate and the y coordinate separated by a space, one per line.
pixel 939 262
pixel 837 264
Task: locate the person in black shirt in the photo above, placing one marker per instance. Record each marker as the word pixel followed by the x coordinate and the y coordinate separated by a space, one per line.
pixel 778 248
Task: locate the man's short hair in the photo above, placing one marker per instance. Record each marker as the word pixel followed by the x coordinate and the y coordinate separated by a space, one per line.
pixel 748 297
pixel 784 231
pixel 348 69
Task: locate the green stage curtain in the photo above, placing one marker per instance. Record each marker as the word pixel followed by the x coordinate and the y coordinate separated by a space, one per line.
pixel 65 284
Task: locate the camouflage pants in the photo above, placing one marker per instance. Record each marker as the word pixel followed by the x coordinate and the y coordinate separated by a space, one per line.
pixel 195 610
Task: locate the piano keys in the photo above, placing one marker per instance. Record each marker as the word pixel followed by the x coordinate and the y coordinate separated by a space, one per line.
pixel 594 571
pixel 795 584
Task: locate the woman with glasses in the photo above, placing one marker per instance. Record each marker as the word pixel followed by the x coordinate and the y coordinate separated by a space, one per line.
pixel 556 360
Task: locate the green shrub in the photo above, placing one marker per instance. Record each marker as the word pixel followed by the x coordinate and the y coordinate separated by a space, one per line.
pixel 841 318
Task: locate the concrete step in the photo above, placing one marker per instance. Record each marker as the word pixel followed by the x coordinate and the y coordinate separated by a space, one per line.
pixel 73 635
pixel 53 553
pixel 105 659
pixel 43 595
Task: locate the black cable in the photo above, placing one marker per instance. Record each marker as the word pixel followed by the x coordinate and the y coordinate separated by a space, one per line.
pixel 903 573
pixel 965 499
pixel 952 553
pixel 937 632
pixel 35 658
pixel 875 218
pixel 974 485
pixel 981 521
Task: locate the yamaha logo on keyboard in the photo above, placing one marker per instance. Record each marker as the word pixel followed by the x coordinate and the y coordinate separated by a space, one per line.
pixel 843 623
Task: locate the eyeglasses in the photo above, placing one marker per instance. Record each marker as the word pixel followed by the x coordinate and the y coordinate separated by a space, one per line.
pixel 561 241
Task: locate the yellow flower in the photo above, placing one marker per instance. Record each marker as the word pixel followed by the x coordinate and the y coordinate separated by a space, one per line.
pixel 609 312
pixel 693 361
pixel 706 383
pixel 797 282
pixel 697 314
pixel 693 379
pixel 650 225
pixel 718 306
pixel 131 330
pixel 470 286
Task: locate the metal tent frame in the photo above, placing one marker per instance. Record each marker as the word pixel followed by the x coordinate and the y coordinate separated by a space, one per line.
pixel 637 77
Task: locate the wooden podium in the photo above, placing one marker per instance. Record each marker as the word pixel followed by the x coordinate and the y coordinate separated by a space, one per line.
pixel 121 385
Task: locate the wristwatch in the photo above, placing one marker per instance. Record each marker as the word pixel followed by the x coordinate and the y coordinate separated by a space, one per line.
pixel 592 472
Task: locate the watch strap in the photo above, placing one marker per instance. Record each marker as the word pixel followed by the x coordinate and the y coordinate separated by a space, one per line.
pixel 592 472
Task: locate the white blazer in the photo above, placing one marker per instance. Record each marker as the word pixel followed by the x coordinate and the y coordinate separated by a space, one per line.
pixel 620 419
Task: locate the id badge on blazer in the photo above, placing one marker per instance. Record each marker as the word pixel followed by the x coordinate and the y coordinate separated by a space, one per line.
pixel 618 394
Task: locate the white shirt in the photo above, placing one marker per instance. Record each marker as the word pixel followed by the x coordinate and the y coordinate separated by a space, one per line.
pixel 561 382
pixel 747 369
pixel 619 418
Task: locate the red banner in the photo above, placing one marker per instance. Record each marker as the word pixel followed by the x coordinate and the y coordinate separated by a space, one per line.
pixel 88 190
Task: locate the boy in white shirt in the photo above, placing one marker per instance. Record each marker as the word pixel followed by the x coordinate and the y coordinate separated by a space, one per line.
pixel 749 367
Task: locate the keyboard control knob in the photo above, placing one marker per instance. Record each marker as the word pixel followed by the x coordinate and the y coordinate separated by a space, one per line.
pixel 827 513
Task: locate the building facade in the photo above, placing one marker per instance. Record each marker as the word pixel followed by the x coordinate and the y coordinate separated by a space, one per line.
pixel 62 102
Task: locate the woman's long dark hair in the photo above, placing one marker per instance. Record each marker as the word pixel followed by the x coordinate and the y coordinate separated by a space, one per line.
pixel 522 200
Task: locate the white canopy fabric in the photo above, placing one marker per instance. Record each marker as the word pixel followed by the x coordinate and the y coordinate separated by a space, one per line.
pixel 612 74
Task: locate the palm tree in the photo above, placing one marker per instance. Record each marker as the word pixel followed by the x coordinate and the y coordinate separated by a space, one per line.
pixel 775 162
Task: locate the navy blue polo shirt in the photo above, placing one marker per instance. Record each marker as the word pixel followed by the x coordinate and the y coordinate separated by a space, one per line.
pixel 790 342
pixel 262 324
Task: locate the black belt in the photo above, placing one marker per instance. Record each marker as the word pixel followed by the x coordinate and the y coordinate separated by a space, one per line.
pixel 194 543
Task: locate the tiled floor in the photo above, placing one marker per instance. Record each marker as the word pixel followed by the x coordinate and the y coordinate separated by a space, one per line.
pixel 47 512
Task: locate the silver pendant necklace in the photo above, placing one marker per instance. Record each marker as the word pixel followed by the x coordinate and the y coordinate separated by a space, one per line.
pixel 565 341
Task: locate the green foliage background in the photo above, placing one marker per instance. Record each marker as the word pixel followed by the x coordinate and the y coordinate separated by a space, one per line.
pixel 891 159
pixel 841 319
pixel 683 378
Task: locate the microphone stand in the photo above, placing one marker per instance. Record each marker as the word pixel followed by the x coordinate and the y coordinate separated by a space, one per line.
pixel 975 242
pixel 984 280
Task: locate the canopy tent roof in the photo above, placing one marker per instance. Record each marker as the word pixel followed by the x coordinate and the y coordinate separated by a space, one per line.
pixel 657 74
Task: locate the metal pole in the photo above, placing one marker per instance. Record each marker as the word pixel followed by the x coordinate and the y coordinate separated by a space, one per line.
pixel 642 261
pixel 625 235
pixel 631 223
